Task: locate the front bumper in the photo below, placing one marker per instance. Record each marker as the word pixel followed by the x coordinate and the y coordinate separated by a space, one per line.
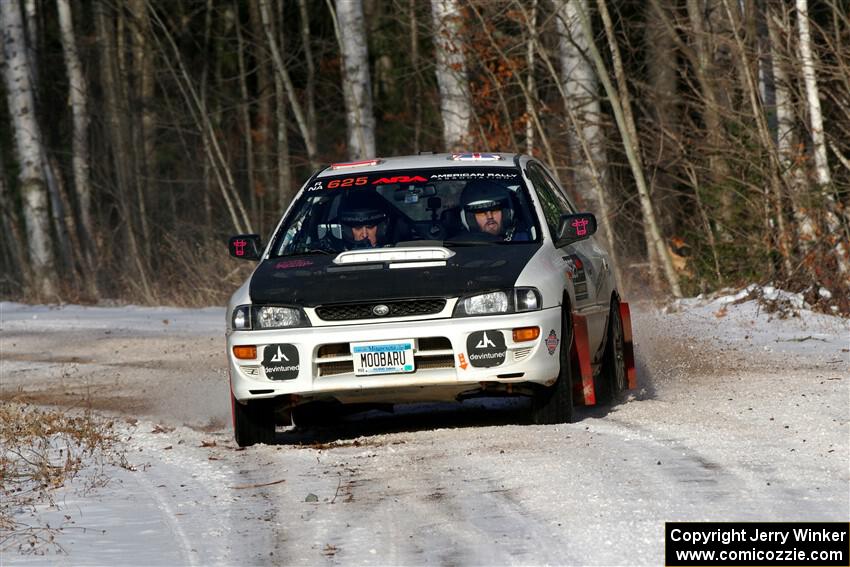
pixel 443 366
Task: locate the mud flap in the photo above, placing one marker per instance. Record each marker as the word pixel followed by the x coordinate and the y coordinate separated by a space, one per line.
pixel 631 373
pixel 583 393
pixel 232 399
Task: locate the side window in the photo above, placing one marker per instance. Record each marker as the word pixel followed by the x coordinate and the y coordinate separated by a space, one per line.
pixel 564 202
pixel 548 202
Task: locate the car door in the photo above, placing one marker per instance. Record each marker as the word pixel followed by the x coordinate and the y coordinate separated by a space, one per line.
pixel 587 260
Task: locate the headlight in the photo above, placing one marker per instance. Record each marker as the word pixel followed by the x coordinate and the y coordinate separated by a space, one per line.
pixel 516 300
pixel 278 317
pixel 245 317
pixel 486 303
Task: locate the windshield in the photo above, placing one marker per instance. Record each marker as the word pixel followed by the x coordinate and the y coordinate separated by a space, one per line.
pixel 447 206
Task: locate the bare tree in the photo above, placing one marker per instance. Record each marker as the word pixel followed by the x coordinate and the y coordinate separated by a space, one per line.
pixel 280 68
pixel 531 85
pixel 452 78
pixel 822 173
pixel 356 84
pixel 580 85
pixel 245 112
pixel 310 85
pixel 265 96
pixel 79 100
pixel 631 145
pixel 787 139
pixel 28 144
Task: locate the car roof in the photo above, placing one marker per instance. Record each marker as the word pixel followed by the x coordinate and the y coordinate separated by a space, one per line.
pixel 421 161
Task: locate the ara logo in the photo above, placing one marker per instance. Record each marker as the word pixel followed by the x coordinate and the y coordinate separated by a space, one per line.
pixel 486 348
pixel 399 179
pixel 281 362
pixel 552 342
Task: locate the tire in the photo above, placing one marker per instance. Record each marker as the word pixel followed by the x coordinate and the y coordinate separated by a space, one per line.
pixel 555 404
pixel 253 422
pixel 612 377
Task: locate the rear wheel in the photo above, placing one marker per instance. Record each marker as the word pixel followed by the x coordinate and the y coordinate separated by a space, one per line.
pixel 253 422
pixel 612 378
pixel 555 404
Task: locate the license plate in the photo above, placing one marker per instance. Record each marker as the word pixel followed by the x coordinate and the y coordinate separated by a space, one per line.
pixel 387 357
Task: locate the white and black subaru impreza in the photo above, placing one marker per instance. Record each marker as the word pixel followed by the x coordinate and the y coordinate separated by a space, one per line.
pixel 425 278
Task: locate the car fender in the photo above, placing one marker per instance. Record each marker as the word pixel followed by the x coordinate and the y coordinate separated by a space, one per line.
pixel 549 273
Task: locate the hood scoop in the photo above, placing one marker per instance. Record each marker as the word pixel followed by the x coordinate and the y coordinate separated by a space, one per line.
pixel 404 257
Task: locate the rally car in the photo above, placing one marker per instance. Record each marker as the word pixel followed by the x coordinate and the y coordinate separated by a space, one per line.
pixel 425 278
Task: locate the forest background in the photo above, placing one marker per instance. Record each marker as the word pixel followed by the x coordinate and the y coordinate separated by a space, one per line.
pixel 710 137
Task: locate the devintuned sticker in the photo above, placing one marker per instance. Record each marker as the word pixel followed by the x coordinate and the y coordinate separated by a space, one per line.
pixel 486 348
pixel 552 342
pixel 281 362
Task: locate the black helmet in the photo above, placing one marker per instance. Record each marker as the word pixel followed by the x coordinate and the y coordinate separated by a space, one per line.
pixel 481 195
pixel 360 208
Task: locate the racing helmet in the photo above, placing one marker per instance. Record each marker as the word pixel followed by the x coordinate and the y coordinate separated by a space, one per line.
pixel 481 195
pixel 360 208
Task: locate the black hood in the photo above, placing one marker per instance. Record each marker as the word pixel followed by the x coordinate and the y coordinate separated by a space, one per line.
pixel 315 280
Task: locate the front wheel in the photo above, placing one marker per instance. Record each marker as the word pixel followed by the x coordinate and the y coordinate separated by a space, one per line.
pixel 554 404
pixel 612 379
pixel 253 422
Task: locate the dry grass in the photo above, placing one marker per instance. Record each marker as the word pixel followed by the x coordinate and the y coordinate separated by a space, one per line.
pixel 41 450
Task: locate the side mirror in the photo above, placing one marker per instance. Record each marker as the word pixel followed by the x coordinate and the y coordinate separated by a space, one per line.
pixel 575 227
pixel 245 246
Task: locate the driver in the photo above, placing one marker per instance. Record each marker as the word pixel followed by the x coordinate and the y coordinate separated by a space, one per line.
pixel 487 210
pixel 363 220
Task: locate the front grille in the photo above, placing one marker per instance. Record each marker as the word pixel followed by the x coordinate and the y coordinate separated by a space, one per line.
pixel 431 352
pixel 403 308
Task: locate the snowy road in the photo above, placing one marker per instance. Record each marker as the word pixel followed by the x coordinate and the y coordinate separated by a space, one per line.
pixel 737 418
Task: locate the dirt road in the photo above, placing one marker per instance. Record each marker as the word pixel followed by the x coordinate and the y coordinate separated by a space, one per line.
pixel 737 418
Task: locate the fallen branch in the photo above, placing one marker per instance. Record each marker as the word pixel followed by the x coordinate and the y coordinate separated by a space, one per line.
pixel 259 485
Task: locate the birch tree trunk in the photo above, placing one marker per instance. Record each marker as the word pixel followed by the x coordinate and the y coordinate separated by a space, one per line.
pixel 531 86
pixel 79 98
pixel 357 88
pixel 29 151
pixel 452 78
pixel 812 96
pixel 580 85
pixel 31 27
pixel 787 140
pixel 824 179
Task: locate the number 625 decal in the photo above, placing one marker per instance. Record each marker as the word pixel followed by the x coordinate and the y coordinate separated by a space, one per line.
pixel 347 182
